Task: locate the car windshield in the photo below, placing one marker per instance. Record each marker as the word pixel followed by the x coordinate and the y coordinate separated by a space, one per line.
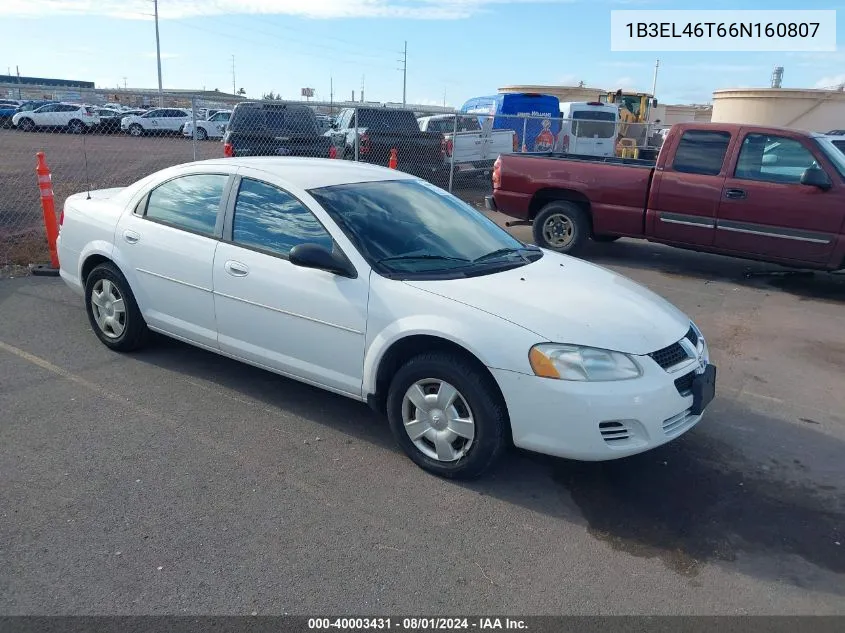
pixel 834 151
pixel 410 226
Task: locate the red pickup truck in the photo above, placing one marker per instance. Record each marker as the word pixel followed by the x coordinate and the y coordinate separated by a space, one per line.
pixel 756 192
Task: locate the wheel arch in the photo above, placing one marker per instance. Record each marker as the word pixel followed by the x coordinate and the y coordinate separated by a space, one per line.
pixel 402 349
pixel 552 194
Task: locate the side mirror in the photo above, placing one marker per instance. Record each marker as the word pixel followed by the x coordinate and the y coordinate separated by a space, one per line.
pixel 815 177
pixel 321 258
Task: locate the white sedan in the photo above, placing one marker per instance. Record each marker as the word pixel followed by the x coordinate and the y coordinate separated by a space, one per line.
pixel 378 286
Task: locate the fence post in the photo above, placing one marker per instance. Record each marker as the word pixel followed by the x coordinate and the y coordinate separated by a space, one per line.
pixel 524 133
pixel 452 153
pixel 45 185
pixel 194 121
pixel 356 134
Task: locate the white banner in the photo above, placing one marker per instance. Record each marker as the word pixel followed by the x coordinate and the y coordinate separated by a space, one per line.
pixel 723 30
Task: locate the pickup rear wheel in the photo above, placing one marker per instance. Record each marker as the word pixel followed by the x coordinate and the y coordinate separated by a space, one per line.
pixel 561 226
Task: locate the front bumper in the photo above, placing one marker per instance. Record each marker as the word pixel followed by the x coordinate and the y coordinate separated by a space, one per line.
pixel 597 421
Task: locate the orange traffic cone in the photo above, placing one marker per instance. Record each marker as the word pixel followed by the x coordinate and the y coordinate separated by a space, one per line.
pixel 45 185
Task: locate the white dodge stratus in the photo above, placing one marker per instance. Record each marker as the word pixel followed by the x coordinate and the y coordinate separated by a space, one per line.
pixel 378 286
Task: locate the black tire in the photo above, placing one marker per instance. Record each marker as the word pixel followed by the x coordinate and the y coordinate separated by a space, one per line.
pixel 135 332
pixel 136 130
pixel 202 135
pixel 561 226
pixel 26 125
pixel 479 393
pixel 76 127
pixel 605 238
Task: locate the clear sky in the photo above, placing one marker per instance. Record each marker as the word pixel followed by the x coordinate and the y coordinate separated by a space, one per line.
pixel 456 48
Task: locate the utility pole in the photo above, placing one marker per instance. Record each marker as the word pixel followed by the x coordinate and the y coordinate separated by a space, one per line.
pixel 362 88
pixel 234 90
pixel 654 83
pixel 404 69
pixel 158 58
pixel 331 94
pixel 124 83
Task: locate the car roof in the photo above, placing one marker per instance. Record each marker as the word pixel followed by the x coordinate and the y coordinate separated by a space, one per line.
pixel 311 173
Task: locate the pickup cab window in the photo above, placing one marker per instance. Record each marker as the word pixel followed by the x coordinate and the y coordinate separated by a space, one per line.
pixel 771 158
pixel 701 152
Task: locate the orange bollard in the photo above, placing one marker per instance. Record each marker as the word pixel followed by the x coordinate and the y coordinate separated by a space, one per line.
pixel 394 159
pixel 45 185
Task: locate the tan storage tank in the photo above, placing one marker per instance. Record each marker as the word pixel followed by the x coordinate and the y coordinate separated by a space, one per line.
pixel 803 109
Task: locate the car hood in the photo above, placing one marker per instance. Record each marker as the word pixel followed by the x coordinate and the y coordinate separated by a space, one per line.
pixel 567 300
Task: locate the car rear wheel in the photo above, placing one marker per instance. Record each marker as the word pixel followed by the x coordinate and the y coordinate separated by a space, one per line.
pixel 447 415
pixel 26 125
pixel 112 310
pixel 561 226
pixel 136 130
pixel 76 127
pixel 201 134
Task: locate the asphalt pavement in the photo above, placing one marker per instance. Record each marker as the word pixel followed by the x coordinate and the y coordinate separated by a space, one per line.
pixel 175 481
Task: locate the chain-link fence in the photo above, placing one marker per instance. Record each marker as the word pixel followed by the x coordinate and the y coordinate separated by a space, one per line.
pixel 106 145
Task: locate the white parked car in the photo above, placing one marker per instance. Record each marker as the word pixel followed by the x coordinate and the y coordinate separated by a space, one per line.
pixel 73 116
pixel 376 285
pixel 475 148
pixel 157 121
pixel 214 127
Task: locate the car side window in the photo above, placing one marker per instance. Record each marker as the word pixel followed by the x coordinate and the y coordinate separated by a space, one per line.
pixel 270 219
pixel 701 152
pixel 771 158
pixel 47 108
pixel 188 202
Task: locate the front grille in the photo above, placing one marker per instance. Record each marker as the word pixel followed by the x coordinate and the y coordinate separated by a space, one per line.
pixel 684 384
pixel 614 431
pixel 693 337
pixel 669 356
pixel 677 424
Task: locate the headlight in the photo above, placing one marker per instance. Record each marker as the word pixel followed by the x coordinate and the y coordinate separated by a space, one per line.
pixel 573 362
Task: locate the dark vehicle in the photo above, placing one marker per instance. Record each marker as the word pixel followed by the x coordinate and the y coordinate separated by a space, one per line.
pixel 274 129
pixel 110 120
pixel 377 131
pixel 770 194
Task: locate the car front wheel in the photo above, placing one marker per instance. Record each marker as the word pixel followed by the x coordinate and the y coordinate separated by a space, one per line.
pixel 112 309
pixel 136 130
pixel 447 415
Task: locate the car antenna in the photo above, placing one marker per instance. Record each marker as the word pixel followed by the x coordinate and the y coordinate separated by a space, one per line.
pixel 85 156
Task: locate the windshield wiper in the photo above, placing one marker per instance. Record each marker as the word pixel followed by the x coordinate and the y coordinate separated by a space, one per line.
pixel 503 251
pixel 425 256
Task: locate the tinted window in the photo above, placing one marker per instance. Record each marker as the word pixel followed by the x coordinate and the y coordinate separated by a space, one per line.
pixel 387 119
pixel 221 116
pixel 67 108
pixel 840 145
pixel 273 220
pixel 701 152
pixel 593 123
pixel 152 113
pixel 773 159
pixel 188 202
pixel 47 108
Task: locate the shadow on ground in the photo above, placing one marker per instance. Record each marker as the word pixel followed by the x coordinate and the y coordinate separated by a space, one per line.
pixel 689 264
pixel 694 501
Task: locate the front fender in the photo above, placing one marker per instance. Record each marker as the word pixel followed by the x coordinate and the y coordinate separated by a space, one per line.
pixel 497 344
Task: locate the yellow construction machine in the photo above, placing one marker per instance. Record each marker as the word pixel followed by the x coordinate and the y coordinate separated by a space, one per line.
pixel 634 108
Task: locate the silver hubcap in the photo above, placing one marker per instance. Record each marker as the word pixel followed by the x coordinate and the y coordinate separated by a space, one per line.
pixel 438 420
pixel 109 308
pixel 135 130
pixel 558 230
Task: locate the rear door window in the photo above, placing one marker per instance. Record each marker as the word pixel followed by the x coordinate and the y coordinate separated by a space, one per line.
pixel 191 203
pixel 701 152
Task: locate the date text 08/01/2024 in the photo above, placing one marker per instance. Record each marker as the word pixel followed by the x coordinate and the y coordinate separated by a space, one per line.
pixel 416 623
pixel 722 29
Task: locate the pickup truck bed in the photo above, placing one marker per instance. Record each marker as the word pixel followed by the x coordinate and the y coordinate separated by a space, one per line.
pixel 743 191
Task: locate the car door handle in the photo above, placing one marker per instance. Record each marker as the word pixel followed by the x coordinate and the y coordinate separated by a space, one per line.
pixel 736 194
pixel 236 269
pixel 131 237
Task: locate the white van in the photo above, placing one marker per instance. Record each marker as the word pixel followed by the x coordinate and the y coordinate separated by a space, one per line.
pixel 588 127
